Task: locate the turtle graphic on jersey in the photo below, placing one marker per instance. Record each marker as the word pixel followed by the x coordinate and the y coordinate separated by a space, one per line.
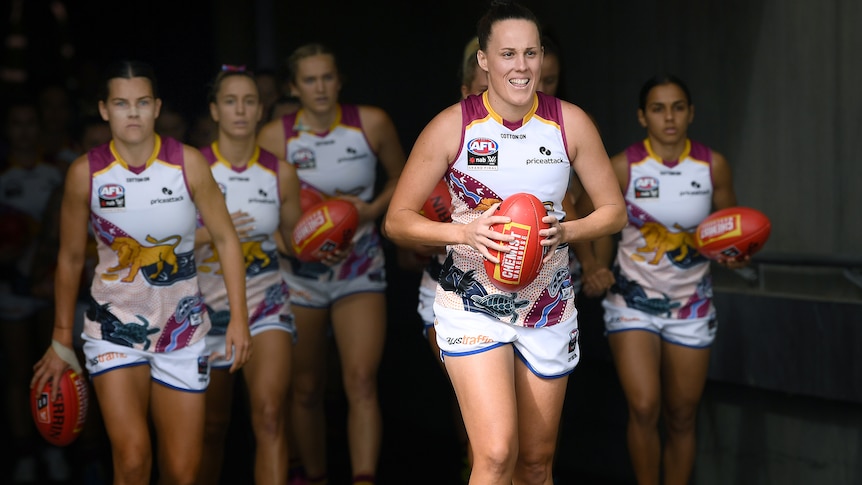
pixel 636 297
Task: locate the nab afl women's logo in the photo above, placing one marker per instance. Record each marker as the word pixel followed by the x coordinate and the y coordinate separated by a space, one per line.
pixel 112 196
pixel 646 188
pixel 303 158
pixel 482 154
pixel 482 146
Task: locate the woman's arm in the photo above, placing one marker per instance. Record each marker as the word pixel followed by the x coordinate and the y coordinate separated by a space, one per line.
pixel 290 211
pixel 74 217
pixel 434 149
pixel 593 168
pixel 211 205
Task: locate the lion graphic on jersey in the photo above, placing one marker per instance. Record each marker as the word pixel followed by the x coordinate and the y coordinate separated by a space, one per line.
pixel 133 255
pixel 485 203
pixel 251 251
pixel 661 241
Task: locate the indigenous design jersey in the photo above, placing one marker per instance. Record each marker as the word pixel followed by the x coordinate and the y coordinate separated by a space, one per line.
pixel 658 269
pixel 254 190
pixel 337 162
pixel 145 289
pixel 497 159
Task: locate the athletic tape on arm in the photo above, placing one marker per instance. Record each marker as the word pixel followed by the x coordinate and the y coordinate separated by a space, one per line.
pixel 68 355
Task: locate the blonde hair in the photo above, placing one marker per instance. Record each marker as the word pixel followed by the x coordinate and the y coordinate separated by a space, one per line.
pixel 469 61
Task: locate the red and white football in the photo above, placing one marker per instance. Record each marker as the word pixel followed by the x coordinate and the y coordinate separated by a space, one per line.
pixel 438 207
pixel 323 228
pixel 308 197
pixel 520 266
pixel 62 420
pixel 732 233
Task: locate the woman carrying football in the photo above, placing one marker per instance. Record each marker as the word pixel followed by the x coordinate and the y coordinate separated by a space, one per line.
pixel 659 315
pixel 507 354
pixel 144 330
pixel 337 149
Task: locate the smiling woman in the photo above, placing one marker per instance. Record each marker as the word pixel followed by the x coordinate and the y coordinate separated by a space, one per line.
pixel 482 146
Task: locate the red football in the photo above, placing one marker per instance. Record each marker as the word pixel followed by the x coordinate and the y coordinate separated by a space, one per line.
pixel 520 266
pixel 62 420
pixel 308 197
pixel 732 233
pixel 323 228
pixel 438 207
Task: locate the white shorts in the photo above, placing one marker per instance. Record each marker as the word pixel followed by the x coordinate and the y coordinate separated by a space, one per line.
pixel 311 293
pixel 215 344
pixel 694 332
pixel 185 369
pixel 428 291
pixel 78 324
pixel 425 308
pixel 549 352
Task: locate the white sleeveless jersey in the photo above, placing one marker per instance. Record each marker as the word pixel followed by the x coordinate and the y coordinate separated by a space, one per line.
pixel 497 159
pixel 145 290
pixel 254 190
pixel 337 162
pixel 658 269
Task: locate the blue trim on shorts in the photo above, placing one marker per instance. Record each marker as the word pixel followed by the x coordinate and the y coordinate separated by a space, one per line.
pixel 608 332
pixel 472 352
pixel 193 391
pixel 425 327
pixel 133 364
pixel 698 347
pixel 660 336
pixel 524 360
pixel 314 307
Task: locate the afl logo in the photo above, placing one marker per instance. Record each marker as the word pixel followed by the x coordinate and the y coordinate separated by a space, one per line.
pixel 482 147
pixel 111 191
pixel 303 158
pixel 112 196
pixel 646 187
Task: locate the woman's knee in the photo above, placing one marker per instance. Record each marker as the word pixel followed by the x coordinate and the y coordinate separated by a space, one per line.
pixel 534 468
pixel 131 466
pixel 268 419
pixel 360 385
pixel 681 418
pixel 496 456
pixel 644 411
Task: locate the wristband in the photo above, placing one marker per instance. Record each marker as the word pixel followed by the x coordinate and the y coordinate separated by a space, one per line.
pixel 68 356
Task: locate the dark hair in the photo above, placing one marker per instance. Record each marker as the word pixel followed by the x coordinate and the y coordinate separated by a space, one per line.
pixel 226 72
pixel 128 70
pixel 552 47
pixel 661 80
pixel 303 51
pixel 503 10
pixel 281 101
